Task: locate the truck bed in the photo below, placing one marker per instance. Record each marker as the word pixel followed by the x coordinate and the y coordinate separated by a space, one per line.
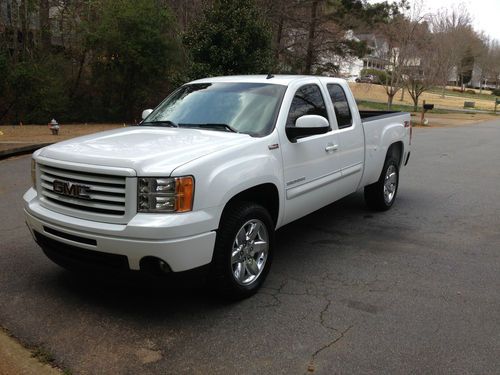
pixel 376 115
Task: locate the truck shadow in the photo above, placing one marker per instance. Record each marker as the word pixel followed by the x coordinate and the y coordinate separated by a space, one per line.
pixel 149 298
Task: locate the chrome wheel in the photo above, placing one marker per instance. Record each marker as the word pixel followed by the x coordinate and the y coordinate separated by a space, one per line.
pixel 249 252
pixel 390 183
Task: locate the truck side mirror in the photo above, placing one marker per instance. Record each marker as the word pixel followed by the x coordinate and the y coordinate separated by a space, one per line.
pixel 307 125
pixel 146 113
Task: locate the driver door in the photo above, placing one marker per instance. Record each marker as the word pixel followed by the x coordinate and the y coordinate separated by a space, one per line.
pixel 311 164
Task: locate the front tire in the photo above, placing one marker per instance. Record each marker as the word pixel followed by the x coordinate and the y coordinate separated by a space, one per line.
pixel 382 194
pixel 243 250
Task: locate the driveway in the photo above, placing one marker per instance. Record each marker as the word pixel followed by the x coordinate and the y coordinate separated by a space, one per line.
pixel 411 290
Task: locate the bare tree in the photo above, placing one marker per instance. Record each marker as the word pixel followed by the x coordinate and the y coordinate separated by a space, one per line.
pixel 495 66
pixel 401 36
pixel 308 34
pixel 423 70
pixel 458 45
pixel 487 62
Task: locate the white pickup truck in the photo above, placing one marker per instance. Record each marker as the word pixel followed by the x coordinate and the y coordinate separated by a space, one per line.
pixel 209 175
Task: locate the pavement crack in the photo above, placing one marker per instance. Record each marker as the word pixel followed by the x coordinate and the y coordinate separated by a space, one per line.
pixel 322 317
pixel 311 367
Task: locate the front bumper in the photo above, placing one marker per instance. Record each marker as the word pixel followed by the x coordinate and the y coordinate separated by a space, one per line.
pixel 184 241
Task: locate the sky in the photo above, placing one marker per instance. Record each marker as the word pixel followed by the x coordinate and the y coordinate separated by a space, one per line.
pixel 485 13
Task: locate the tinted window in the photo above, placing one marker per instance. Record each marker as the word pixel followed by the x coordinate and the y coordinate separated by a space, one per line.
pixel 341 106
pixel 307 101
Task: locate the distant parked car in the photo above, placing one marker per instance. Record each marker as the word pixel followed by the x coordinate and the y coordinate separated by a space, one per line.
pixel 370 78
pixel 352 78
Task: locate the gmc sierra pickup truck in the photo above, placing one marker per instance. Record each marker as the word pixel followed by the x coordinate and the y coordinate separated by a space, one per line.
pixel 209 175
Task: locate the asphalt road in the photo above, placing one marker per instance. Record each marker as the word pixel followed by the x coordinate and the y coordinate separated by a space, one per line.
pixel 412 290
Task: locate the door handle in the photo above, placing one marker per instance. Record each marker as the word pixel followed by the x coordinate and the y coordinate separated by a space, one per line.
pixel 331 148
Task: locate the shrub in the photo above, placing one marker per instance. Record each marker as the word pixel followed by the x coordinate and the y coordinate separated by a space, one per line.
pixel 496 92
pixel 470 91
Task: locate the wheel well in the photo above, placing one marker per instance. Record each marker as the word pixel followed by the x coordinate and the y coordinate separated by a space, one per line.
pixel 396 151
pixel 266 195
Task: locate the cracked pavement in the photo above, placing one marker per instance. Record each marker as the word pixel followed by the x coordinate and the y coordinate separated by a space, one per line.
pixel 411 290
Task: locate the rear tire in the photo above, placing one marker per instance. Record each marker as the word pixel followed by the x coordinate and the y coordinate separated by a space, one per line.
pixel 243 250
pixel 381 195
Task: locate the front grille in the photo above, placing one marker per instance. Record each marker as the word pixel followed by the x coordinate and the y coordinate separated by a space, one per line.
pixel 104 194
pixel 76 257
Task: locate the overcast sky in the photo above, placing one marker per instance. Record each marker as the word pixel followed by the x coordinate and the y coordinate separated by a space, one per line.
pixel 485 13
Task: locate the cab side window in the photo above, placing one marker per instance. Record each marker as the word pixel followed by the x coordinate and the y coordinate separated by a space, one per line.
pixel 308 100
pixel 340 105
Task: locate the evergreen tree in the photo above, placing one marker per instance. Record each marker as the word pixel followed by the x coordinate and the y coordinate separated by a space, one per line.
pixel 231 38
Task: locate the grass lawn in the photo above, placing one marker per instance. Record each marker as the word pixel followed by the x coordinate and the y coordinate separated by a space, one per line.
pixel 477 95
pixel 376 93
pixel 367 105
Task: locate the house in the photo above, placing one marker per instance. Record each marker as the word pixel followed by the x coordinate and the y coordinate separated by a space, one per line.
pixel 376 58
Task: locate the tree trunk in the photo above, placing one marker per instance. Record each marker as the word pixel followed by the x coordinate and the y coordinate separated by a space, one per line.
pixel 415 104
pixel 402 95
pixel 390 98
pixel 79 75
pixel 311 37
pixel 279 35
pixel 44 24
pixel 24 28
pixel 15 30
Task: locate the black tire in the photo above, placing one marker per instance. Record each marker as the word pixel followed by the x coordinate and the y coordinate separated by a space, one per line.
pixel 375 196
pixel 234 219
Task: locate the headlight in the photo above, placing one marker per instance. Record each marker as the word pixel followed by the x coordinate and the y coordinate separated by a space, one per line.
pixel 165 194
pixel 33 173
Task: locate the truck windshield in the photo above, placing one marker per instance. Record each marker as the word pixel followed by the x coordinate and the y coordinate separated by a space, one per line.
pixel 249 108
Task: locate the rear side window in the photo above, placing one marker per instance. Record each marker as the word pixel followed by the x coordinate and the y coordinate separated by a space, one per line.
pixel 341 106
pixel 307 101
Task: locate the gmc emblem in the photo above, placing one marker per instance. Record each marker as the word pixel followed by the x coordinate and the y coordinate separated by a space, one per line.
pixel 71 190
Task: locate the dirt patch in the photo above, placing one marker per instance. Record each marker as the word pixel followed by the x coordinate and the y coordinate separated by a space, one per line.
pixel 19 136
pixel 15 359
pixel 454 119
pixel 34 134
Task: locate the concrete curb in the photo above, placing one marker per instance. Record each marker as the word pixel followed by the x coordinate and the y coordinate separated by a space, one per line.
pixel 4 154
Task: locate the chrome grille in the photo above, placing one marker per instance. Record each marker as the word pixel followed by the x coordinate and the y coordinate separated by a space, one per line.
pixel 105 194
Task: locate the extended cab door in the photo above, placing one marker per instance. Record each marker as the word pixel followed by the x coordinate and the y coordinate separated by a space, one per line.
pixel 350 135
pixel 311 165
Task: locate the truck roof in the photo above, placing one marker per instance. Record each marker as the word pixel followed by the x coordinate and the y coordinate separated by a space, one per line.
pixel 275 79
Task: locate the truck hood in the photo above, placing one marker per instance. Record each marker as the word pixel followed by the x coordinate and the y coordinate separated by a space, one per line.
pixel 148 150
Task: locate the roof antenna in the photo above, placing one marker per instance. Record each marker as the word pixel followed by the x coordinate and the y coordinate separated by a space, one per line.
pixel 269 76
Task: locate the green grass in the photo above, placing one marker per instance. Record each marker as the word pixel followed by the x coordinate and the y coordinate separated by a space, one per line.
pixel 367 105
pixel 464 95
pixel 43 355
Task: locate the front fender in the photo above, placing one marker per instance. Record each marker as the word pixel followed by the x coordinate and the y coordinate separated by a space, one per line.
pixel 221 176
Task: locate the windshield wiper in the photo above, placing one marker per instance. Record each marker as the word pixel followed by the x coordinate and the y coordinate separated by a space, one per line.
pixel 213 126
pixel 166 123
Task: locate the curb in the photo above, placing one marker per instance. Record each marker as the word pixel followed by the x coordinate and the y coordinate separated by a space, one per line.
pixel 4 154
